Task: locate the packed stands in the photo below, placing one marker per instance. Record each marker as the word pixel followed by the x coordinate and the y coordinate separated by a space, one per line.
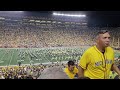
pixel 39 32
pixel 46 32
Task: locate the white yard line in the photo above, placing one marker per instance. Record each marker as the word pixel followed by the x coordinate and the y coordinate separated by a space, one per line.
pixel 11 58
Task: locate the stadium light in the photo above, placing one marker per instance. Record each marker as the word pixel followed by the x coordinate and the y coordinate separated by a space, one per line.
pixel 69 15
pixel 11 11
pixel 15 11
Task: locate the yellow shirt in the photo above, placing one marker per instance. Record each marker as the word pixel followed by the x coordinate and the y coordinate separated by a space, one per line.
pixel 71 75
pixel 95 64
pixel 112 75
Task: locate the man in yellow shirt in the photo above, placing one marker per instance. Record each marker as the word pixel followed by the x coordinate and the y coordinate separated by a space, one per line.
pixel 98 60
pixel 71 70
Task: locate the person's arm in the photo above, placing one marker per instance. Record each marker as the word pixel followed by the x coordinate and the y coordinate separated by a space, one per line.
pixel 80 72
pixel 116 69
pixel 82 65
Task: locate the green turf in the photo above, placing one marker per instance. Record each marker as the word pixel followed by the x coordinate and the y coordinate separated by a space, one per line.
pixel 31 56
pixel 36 55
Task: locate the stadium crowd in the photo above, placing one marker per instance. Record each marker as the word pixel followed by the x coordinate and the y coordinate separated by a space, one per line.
pixel 26 34
pixel 25 71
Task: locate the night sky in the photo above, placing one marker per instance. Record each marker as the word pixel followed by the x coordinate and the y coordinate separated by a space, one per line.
pixel 104 18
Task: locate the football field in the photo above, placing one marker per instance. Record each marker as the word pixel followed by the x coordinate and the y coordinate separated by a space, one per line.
pixel 11 56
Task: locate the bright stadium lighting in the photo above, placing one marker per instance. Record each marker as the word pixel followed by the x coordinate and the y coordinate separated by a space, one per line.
pixel 11 11
pixel 69 15
pixel 15 11
pixel 19 11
